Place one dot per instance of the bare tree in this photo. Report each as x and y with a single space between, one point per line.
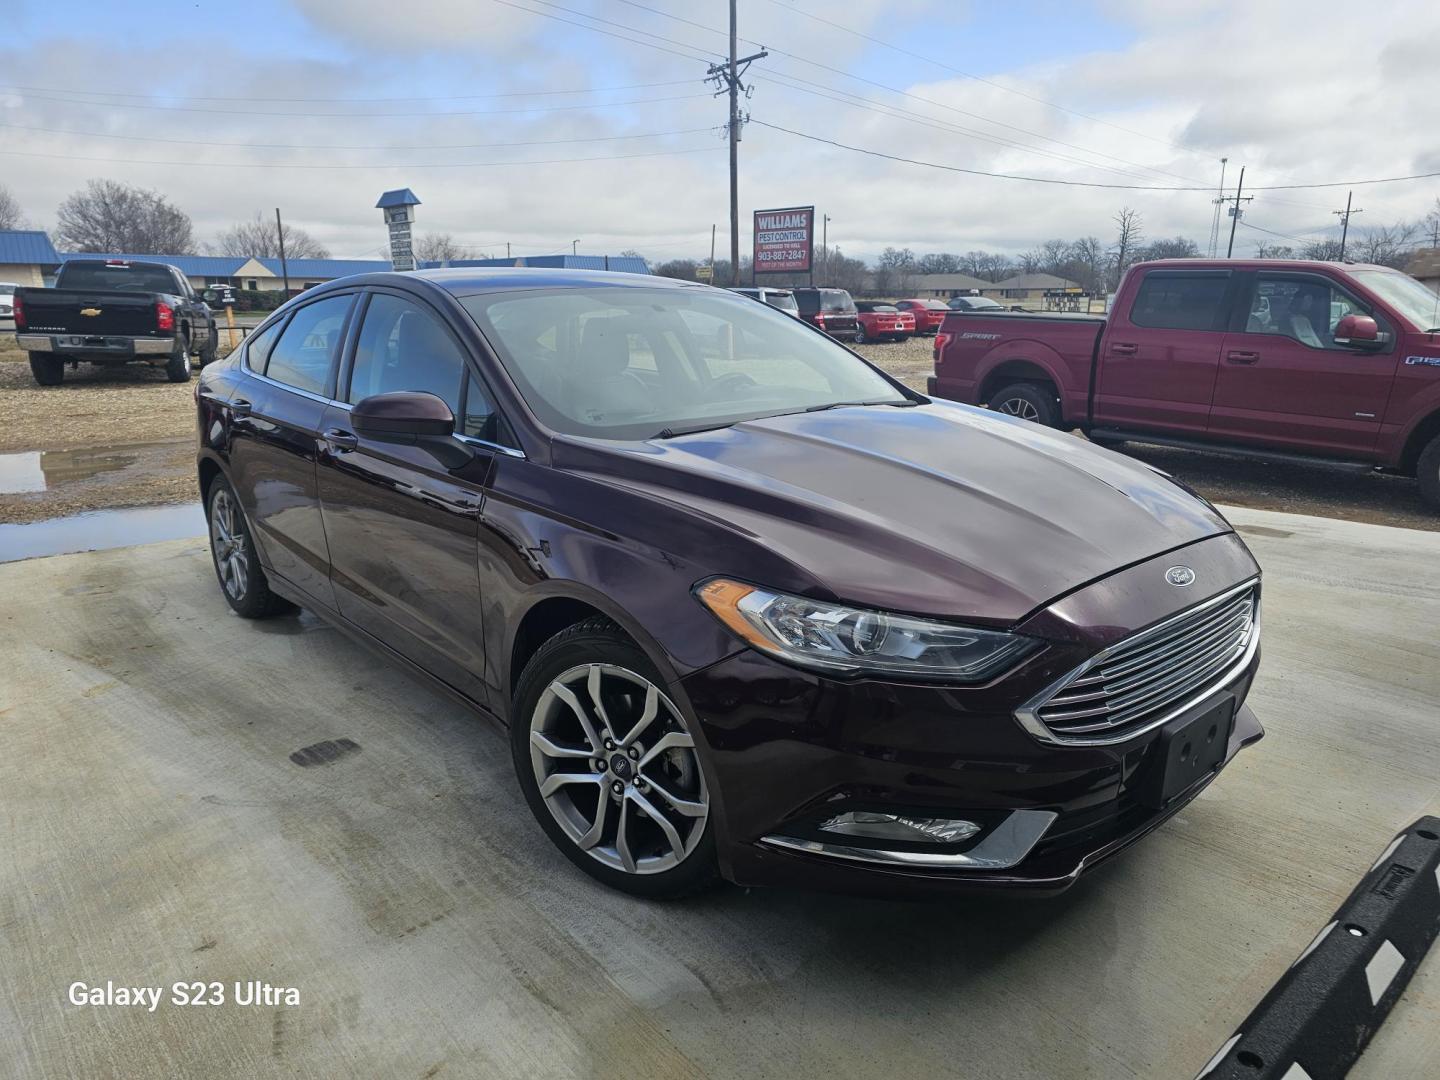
1387 246
1322 250
108 216
1274 251
258 239
440 247
10 216
939 263
1177 247
1127 239
1087 263
895 271
684 269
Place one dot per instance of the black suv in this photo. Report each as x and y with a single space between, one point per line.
831 310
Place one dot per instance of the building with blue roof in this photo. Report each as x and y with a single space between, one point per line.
26 256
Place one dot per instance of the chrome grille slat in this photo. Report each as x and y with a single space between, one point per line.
1139 682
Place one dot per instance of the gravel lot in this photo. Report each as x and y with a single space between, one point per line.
134 411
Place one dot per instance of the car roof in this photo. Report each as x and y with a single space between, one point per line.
470 281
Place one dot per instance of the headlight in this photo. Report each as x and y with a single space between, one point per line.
843 640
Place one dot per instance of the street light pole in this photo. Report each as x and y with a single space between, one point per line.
1240 187
284 266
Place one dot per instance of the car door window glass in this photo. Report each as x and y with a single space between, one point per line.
1304 310
1180 301
480 419
301 358
402 346
257 351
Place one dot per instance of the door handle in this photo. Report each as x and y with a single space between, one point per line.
240 408
341 440
1240 356
1124 349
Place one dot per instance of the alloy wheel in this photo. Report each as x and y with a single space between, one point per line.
227 543
1018 406
617 769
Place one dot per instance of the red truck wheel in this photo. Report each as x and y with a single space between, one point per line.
1027 402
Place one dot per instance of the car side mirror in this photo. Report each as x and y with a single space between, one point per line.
1359 331
412 418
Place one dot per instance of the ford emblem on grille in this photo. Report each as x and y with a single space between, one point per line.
1180 576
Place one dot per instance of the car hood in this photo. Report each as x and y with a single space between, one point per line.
938 509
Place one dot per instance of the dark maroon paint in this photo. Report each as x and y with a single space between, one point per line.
460 571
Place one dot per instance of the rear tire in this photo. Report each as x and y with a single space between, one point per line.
860 338
177 368
211 347
232 550
48 369
1428 471
1027 401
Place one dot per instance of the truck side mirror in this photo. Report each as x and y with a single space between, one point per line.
1360 332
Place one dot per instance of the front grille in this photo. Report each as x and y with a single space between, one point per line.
1139 682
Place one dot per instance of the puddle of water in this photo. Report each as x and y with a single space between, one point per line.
99 530
40 470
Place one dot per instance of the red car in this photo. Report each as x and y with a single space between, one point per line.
1248 357
882 322
929 314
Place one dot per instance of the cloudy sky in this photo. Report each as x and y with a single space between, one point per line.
537 123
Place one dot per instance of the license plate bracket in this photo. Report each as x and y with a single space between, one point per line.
1189 748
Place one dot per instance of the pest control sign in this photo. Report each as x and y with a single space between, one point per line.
784 240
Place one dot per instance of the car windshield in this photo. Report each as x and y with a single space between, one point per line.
7 290
783 301
634 363
836 300
975 303
115 277
883 307
1417 304
936 305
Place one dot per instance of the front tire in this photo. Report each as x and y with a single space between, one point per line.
1027 401
609 764
860 338
237 565
1428 471
48 369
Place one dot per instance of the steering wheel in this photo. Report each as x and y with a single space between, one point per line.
735 380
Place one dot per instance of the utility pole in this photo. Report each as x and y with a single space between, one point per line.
574 247
284 266
1344 216
507 249
726 77
712 254
825 243
1218 200
1235 211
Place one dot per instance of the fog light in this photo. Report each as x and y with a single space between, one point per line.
900 827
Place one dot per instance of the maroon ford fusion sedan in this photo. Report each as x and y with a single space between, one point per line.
750 608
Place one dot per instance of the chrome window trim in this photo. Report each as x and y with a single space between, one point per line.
1004 846
508 451
286 386
1028 714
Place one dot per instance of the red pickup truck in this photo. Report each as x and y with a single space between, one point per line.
1275 358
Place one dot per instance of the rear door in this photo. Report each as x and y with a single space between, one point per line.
1284 381
1159 360
402 527
276 412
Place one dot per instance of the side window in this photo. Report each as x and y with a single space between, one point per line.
301 358
480 419
257 349
402 346
1180 301
1303 309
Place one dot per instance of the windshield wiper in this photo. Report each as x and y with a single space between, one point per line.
905 404
691 429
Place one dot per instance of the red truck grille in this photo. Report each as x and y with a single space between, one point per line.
1146 679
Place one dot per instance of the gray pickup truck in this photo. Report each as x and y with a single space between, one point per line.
112 312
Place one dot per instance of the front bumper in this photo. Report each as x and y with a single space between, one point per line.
118 346
790 748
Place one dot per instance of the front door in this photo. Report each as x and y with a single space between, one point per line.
1158 361
277 409
1284 380
402 527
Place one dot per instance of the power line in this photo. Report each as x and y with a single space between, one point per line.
935 124
377 165
896 90
977 78
349 101
608 22
333 146
367 116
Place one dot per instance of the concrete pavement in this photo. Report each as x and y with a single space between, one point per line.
156 830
